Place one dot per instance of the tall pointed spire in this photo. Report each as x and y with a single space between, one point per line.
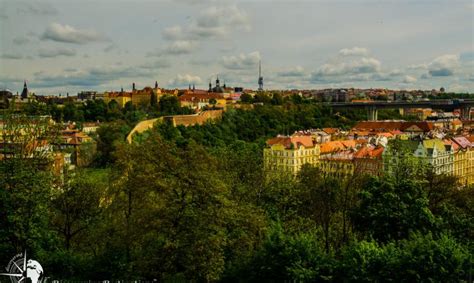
24 93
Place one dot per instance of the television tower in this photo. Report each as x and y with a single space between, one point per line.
260 78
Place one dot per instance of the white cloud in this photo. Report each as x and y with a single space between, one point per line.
178 47
297 71
242 61
36 8
409 79
213 22
186 79
21 40
173 33
444 65
351 64
91 77
354 51
69 34
11 56
50 53
157 64
355 66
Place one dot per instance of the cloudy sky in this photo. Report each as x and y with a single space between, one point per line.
71 45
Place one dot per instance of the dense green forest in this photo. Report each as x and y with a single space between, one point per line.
195 204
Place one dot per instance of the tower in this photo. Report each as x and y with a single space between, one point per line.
24 93
156 84
260 78
217 81
210 86
133 86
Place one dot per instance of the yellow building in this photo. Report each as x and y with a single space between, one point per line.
120 97
438 154
285 154
338 164
463 159
143 97
137 97
199 99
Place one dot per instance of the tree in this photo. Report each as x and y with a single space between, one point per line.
153 100
173 210
262 98
77 206
108 136
213 102
169 105
277 99
391 210
320 198
418 258
289 257
26 182
246 98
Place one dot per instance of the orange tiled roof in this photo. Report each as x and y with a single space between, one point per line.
451 143
330 131
393 125
200 96
296 141
369 152
333 146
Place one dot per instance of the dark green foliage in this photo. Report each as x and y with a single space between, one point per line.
391 211
284 257
194 204
153 100
420 258
108 136
169 105
246 98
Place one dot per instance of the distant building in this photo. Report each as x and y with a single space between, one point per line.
432 152
463 159
87 95
285 154
24 93
338 164
137 97
368 160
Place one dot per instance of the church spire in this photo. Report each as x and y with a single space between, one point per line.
24 93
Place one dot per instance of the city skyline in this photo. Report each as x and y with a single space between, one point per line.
103 45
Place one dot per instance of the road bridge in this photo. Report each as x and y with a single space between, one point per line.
464 105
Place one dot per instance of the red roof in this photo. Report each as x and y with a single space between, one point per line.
369 152
384 126
330 131
296 141
200 96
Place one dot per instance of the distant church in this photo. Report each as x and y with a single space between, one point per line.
217 88
24 93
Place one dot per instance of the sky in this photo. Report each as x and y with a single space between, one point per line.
69 46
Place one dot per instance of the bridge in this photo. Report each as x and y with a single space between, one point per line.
373 106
